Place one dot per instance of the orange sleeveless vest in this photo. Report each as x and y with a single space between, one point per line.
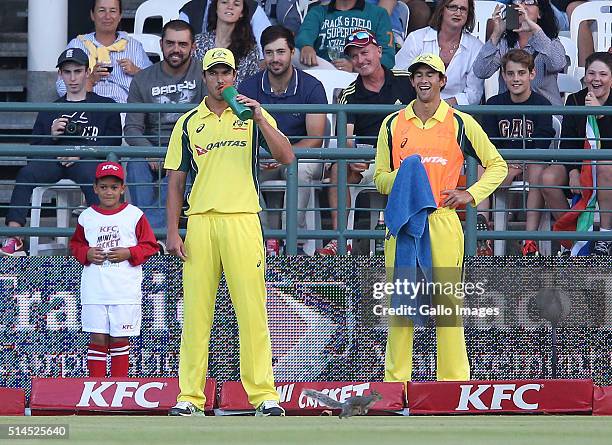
438 147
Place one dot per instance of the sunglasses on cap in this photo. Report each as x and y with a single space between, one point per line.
525 2
361 35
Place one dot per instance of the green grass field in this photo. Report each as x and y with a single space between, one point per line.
464 430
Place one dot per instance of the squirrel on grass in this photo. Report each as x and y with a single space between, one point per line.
353 406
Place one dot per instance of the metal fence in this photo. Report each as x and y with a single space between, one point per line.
342 154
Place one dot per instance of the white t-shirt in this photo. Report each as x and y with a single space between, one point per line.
111 283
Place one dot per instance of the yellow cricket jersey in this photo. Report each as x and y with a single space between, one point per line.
221 153
404 130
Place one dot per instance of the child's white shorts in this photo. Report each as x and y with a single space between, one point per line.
118 320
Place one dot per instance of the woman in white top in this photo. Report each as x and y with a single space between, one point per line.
448 36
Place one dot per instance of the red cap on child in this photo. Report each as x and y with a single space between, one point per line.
110 169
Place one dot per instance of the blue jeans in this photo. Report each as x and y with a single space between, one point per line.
148 190
43 172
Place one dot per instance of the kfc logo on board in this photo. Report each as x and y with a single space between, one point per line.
113 394
471 398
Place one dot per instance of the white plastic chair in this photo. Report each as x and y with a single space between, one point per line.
166 9
150 43
500 204
62 190
568 84
332 81
571 54
600 12
483 10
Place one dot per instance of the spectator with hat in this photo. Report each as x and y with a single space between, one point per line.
375 85
326 28
99 128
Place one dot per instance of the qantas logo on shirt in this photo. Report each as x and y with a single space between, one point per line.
203 150
434 160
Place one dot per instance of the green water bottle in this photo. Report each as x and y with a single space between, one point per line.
243 112
379 244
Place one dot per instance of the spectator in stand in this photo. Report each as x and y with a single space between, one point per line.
537 34
177 79
114 57
282 83
325 29
375 85
519 131
228 27
598 80
94 129
419 14
195 13
448 36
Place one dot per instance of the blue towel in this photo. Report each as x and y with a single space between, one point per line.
406 216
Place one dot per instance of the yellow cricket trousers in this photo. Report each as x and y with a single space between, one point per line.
232 243
447 257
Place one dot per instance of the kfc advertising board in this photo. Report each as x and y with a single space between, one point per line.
501 396
151 396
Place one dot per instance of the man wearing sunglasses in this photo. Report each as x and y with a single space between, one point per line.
375 85
325 29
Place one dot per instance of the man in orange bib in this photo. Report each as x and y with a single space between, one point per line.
442 137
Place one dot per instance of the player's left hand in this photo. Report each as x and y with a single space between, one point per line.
258 116
118 254
128 66
456 198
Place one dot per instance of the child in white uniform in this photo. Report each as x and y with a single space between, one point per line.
112 240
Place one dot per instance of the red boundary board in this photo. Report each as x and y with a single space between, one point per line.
12 402
234 398
57 396
602 401
501 396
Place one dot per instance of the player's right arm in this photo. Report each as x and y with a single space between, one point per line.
174 203
384 177
177 166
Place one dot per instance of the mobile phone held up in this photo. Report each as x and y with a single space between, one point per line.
512 18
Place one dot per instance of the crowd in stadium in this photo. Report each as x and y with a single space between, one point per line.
286 52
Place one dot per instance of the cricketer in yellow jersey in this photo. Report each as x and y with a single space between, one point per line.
223 233
442 136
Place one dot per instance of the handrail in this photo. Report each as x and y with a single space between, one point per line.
341 155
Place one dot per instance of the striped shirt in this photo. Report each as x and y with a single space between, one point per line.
117 84
549 58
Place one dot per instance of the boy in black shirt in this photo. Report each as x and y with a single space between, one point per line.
521 131
84 127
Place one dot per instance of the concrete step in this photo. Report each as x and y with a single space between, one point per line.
18 121
14 44
12 81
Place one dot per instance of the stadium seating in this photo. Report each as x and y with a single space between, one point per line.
150 43
500 204
166 9
62 190
600 12
483 10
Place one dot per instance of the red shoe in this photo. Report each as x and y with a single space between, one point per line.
330 248
12 247
530 248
